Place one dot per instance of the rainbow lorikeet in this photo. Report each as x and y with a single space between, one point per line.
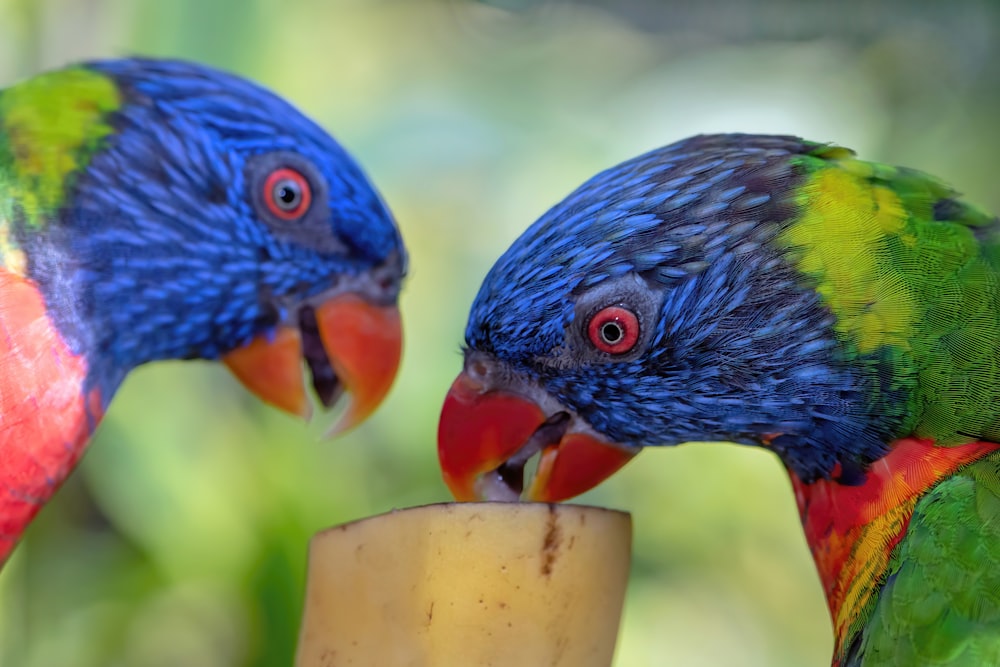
772 291
163 210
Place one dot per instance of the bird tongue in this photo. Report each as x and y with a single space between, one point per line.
507 481
485 439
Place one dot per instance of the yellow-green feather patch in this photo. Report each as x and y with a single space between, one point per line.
912 276
841 240
51 124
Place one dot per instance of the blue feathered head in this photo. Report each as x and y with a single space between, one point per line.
655 306
209 218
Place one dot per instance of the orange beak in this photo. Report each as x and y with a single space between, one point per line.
485 437
351 345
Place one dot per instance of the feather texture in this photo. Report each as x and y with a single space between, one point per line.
45 415
843 313
135 226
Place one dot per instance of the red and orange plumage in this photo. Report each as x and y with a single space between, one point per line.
852 529
46 416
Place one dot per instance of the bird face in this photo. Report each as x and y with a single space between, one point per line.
215 221
343 322
654 306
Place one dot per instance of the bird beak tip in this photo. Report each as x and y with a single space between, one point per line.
364 343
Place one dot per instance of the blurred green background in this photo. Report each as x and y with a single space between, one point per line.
182 538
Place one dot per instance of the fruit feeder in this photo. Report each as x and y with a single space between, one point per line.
468 585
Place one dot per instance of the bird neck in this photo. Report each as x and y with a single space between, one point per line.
149 262
122 301
853 530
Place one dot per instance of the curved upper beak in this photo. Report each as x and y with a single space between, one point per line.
349 344
486 437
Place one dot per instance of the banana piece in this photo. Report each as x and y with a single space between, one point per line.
468 585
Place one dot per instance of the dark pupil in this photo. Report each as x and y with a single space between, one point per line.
612 332
287 194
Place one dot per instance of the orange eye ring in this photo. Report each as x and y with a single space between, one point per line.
614 330
287 194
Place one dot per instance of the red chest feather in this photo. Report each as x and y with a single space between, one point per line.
852 530
45 420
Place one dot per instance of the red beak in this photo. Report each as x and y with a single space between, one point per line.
356 347
482 431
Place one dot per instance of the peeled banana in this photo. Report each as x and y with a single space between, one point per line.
468 585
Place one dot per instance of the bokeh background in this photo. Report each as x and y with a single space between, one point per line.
182 538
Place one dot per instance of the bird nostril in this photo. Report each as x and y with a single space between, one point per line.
478 370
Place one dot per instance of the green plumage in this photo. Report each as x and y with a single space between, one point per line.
845 314
913 276
941 601
49 127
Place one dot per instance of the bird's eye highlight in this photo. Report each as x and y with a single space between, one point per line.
614 330
287 193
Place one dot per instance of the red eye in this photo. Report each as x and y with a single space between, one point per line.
614 330
287 194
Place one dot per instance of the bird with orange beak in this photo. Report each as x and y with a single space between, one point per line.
153 210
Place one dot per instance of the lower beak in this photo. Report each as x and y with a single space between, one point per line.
349 344
485 438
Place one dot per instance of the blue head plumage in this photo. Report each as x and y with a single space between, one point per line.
164 210
735 344
166 248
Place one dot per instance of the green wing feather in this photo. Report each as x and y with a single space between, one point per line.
940 604
912 274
